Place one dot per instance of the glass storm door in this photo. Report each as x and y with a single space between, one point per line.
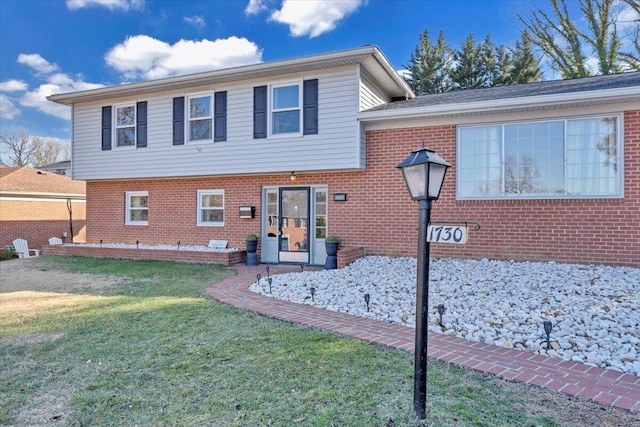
293 236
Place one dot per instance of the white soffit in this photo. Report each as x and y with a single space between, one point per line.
627 95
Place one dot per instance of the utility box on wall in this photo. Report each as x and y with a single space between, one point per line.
247 212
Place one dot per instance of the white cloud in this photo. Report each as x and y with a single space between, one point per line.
255 6
313 17
109 4
8 110
54 82
13 86
196 21
37 63
58 83
148 58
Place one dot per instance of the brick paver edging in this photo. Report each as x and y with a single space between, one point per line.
606 387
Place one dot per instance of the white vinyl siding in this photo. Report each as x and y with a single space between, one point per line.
336 146
370 95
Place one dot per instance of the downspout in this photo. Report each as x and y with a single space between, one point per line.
69 208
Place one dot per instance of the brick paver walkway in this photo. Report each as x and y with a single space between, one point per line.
576 379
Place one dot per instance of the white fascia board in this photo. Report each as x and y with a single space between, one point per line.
619 95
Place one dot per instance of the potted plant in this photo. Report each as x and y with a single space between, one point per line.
252 246
331 245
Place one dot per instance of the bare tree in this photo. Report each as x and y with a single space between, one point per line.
570 49
21 149
17 144
45 151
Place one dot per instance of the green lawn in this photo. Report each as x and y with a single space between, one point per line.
155 350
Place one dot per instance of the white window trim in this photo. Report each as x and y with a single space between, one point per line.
187 115
620 141
128 196
270 108
114 118
202 223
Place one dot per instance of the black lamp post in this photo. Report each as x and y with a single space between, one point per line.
423 172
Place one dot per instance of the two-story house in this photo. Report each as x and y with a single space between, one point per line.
298 149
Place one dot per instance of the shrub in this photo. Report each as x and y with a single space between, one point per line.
331 239
7 254
251 237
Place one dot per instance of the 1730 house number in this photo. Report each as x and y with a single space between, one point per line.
447 234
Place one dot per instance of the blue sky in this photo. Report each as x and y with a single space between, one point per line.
55 46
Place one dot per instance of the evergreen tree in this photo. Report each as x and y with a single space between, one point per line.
504 66
525 65
430 65
475 64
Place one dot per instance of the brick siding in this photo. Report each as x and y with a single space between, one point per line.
379 215
38 220
201 257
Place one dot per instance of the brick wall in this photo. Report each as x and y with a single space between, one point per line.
381 217
38 220
201 257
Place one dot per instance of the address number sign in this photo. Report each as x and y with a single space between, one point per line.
447 234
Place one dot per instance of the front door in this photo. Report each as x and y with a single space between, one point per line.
293 235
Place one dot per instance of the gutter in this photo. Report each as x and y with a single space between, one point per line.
611 96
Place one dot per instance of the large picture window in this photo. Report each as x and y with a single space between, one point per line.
200 114
211 207
137 203
285 109
560 158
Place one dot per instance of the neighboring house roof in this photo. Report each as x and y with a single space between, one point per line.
615 88
65 164
28 182
369 57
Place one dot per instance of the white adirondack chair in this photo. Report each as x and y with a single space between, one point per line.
55 241
22 248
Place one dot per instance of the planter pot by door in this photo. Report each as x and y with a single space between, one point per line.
331 262
252 247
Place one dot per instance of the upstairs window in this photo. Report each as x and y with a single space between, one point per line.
124 125
285 109
200 118
200 114
560 158
137 205
211 207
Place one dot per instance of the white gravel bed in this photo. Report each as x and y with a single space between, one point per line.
153 247
595 310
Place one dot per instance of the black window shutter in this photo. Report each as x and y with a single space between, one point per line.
260 112
220 116
310 107
141 124
106 128
178 121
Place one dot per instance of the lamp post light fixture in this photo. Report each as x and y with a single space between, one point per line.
423 171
